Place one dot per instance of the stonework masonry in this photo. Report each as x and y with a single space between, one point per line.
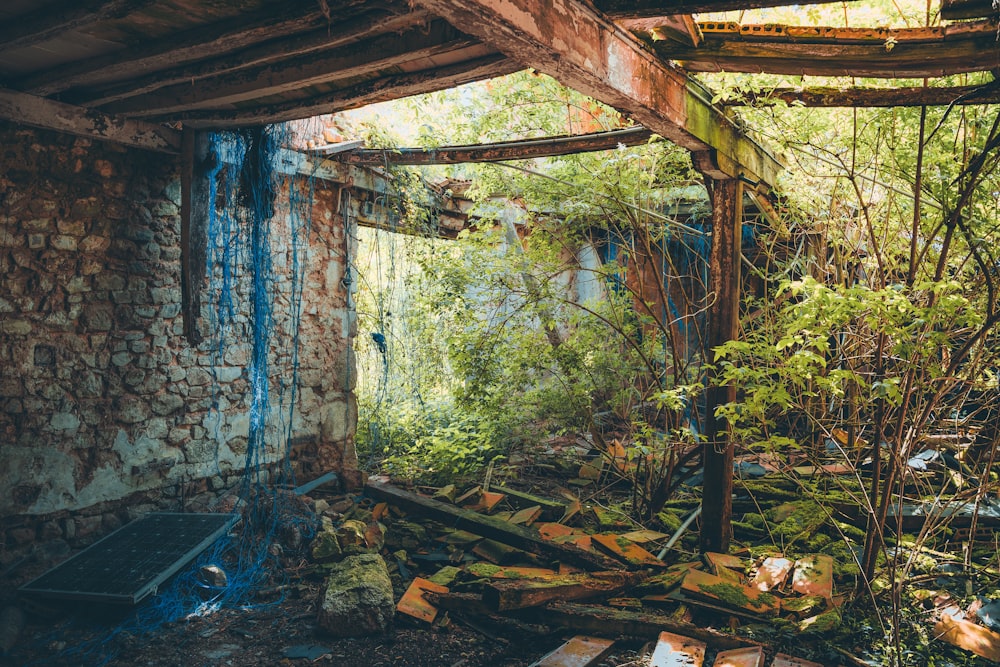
106 410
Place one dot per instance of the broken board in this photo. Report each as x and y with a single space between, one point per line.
130 564
740 657
579 651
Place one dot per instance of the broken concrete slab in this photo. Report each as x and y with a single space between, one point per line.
674 650
358 598
968 636
740 657
772 573
814 576
580 651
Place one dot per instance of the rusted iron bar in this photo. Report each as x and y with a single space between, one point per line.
822 96
859 52
502 150
628 9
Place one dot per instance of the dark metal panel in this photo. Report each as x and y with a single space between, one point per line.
130 564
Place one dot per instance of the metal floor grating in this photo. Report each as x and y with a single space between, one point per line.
130 563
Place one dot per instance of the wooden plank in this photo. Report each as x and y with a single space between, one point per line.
510 572
488 526
507 594
814 576
627 551
645 536
717 561
740 657
825 96
730 594
580 651
578 46
772 573
355 60
378 90
968 636
414 603
55 19
52 115
630 9
673 650
504 150
136 60
723 326
552 510
608 622
196 165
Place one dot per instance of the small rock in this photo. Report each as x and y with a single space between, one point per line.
358 599
214 576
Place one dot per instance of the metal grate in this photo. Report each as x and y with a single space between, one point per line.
130 563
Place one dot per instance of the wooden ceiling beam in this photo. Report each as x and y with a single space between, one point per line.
380 54
640 9
55 19
343 33
503 150
51 115
578 46
377 90
822 96
247 35
967 9
858 52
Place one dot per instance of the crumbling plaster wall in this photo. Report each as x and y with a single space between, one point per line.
106 410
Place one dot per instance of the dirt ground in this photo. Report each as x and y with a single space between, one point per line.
277 634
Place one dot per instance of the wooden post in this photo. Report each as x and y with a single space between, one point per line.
723 326
195 167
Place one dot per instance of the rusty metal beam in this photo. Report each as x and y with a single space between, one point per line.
724 317
385 53
51 115
629 9
369 92
824 96
575 44
503 150
967 9
827 51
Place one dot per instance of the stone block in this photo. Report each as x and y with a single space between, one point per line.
64 421
132 410
64 242
358 599
166 403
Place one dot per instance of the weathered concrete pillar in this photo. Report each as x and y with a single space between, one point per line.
723 326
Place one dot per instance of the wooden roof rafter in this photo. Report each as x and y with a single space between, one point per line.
642 9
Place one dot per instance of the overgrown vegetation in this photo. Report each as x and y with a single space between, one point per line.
868 334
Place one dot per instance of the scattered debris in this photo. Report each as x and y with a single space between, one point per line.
677 651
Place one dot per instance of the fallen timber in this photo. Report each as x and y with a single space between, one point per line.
491 527
507 594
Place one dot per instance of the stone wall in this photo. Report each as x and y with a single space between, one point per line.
106 411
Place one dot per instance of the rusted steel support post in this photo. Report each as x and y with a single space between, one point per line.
723 318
